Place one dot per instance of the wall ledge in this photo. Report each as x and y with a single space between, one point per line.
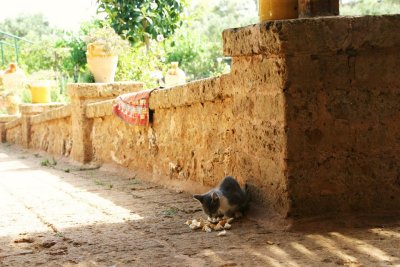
199 91
100 109
313 36
7 118
54 114
13 124
33 109
102 90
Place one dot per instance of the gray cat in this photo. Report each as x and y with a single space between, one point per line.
228 199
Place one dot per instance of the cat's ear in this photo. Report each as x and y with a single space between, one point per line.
214 196
199 197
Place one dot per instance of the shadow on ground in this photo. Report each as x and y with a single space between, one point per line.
61 215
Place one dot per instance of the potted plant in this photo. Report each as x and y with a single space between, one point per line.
103 47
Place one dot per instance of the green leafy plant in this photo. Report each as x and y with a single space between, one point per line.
73 65
139 64
142 20
48 163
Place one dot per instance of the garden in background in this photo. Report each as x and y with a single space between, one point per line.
158 33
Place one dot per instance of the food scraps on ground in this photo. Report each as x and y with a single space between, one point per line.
222 233
209 225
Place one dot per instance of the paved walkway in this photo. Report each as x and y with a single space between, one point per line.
55 214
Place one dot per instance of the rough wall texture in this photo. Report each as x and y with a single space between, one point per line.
343 117
341 92
51 131
13 132
3 120
82 95
204 131
308 117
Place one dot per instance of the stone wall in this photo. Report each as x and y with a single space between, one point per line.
204 131
307 118
3 120
341 92
343 116
13 132
51 131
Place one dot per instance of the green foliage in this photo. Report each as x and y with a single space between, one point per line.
371 7
48 163
197 46
73 65
141 20
23 25
194 41
41 55
197 57
108 39
139 64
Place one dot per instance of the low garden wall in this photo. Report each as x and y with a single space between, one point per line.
308 118
51 131
202 132
13 131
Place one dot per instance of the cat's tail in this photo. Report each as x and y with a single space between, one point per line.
247 200
247 190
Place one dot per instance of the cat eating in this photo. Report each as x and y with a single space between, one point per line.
228 200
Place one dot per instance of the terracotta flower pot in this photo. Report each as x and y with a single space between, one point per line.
277 9
103 66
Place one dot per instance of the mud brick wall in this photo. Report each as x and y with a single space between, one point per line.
342 93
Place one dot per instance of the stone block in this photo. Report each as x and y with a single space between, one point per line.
313 36
33 109
102 91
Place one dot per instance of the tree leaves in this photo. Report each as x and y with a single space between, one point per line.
140 20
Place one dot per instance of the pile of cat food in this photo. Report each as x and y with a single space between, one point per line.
211 224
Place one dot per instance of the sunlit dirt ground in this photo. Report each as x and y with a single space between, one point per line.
65 215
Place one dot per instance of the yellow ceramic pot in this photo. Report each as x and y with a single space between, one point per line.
277 9
40 91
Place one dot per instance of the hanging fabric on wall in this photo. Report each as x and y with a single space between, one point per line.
133 108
